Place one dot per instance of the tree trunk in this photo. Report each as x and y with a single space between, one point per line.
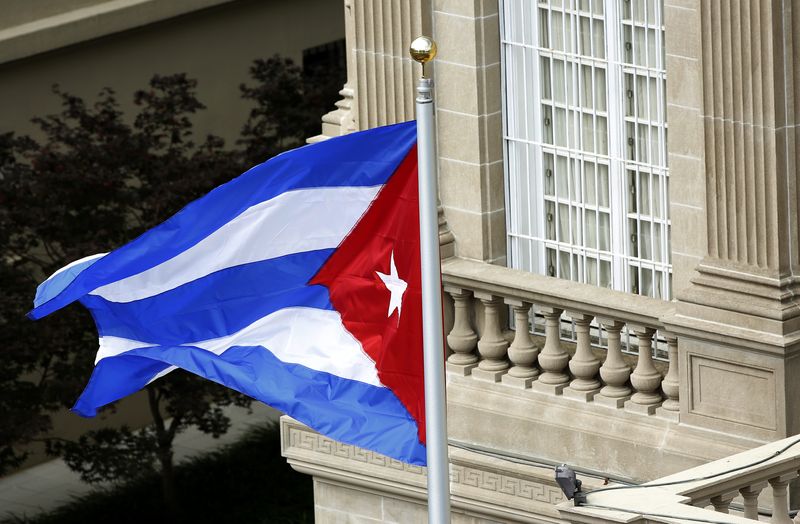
168 482
165 436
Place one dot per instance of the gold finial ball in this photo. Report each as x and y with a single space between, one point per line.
423 49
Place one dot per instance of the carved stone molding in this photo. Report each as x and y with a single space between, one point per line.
480 485
505 484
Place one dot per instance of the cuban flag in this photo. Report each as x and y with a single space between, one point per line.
297 283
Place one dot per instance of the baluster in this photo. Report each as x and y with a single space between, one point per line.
492 345
462 339
670 385
780 499
583 365
553 359
722 502
522 352
750 495
645 378
615 371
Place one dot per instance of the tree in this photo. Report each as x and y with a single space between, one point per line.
93 183
289 102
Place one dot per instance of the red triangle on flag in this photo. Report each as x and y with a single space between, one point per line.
356 276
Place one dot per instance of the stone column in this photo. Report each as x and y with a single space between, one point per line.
671 384
583 365
469 122
380 74
733 95
722 502
615 371
492 345
384 84
780 499
522 351
462 339
751 109
553 359
645 378
750 498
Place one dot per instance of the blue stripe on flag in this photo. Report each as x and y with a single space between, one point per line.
352 412
361 159
216 305
59 281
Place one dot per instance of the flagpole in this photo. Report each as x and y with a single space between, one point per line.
423 50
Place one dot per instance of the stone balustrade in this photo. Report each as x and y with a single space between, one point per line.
484 296
745 487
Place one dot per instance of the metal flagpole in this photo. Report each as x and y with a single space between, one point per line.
423 49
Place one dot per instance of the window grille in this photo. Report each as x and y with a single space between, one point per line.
585 141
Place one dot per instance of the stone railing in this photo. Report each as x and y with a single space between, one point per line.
737 489
482 295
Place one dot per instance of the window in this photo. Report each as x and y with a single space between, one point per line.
585 141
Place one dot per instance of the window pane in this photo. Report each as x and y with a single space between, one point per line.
564 270
605 273
562 177
604 232
602 185
549 183
590 183
582 173
600 88
633 238
591 228
563 223
546 79
550 255
591 271
550 217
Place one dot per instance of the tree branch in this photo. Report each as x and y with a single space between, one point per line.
173 427
154 411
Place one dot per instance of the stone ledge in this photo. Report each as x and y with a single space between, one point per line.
480 485
623 445
549 291
86 23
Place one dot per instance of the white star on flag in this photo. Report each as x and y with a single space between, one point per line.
396 286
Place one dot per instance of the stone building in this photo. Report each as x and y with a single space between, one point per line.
86 45
620 180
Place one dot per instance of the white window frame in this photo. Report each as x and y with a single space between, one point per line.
620 255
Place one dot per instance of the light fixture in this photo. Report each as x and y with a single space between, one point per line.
569 484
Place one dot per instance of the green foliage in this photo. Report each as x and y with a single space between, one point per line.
117 454
94 181
289 103
247 482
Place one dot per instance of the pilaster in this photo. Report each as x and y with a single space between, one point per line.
380 87
736 313
468 98
380 74
750 90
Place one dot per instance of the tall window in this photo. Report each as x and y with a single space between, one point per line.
585 141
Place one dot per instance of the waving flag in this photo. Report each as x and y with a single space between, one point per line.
297 283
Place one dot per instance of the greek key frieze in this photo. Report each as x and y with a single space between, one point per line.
316 443
505 484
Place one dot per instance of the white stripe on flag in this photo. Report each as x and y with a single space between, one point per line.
292 222
314 338
75 263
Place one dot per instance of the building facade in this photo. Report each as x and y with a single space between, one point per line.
620 178
86 45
